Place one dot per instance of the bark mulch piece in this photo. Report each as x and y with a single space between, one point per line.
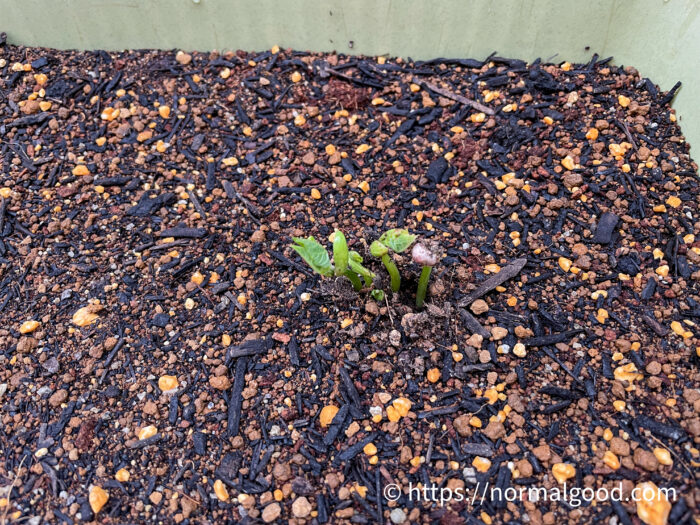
165 356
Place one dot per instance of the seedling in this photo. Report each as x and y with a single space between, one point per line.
397 240
427 259
347 263
377 295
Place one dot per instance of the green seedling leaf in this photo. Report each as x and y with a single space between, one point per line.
314 254
377 249
397 239
354 256
377 295
340 253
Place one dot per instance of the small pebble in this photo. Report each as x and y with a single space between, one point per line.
397 516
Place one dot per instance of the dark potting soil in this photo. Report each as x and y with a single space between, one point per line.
166 356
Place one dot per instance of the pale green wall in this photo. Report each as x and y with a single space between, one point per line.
659 37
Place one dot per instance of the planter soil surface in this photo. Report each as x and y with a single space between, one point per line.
166 357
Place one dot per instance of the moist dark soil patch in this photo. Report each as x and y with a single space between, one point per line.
164 349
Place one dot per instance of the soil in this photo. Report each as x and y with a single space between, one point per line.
167 357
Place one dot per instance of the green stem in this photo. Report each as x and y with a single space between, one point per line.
393 272
423 285
354 279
